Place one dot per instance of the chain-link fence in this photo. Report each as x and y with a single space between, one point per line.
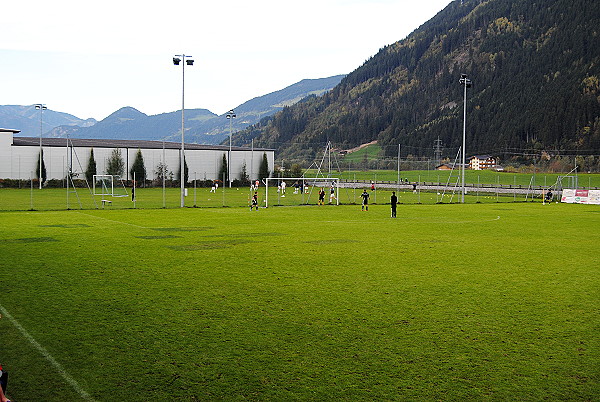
425 187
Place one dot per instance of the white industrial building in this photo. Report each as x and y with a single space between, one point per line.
19 157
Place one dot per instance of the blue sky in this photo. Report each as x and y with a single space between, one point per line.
92 58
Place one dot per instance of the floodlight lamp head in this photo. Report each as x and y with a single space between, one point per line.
189 62
463 76
176 60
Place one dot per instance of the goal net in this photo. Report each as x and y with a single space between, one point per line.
109 185
301 190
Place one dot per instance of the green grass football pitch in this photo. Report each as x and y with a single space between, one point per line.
446 302
56 199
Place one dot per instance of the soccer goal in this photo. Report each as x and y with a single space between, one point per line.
299 190
109 185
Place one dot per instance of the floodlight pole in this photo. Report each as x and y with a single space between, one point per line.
467 84
230 116
41 107
176 60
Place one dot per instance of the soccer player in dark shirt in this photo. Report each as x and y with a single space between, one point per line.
365 201
321 197
254 201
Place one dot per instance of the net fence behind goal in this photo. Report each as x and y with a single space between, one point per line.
301 190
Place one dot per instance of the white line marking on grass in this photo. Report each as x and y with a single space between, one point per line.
70 380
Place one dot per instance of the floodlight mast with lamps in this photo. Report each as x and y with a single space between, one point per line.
190 62
230 116
41 107
467 84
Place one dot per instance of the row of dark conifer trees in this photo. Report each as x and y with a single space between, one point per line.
116 167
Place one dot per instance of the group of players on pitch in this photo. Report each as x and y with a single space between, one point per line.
364 205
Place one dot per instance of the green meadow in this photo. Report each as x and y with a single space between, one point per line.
495 301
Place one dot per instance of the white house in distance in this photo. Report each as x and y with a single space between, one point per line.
19 157
482 162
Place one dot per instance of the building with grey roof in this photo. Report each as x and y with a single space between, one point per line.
19 157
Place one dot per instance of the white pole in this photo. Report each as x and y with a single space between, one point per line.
230 116
41 150
68 171
41 107
229 156
31 192
464 142
181 164
266 193
398 189
164 168
329 159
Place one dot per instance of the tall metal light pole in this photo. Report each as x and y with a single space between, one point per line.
41 107
464 81
176 60
230 116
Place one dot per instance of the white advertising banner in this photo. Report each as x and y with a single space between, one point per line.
573 196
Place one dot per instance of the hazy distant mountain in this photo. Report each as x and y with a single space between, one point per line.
216 130
201 125
27 119
130 124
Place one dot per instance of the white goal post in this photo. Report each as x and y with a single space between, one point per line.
326 183
104 185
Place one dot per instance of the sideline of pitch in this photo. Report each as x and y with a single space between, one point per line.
61 370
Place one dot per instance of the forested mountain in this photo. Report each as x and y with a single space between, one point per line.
215 130
535 70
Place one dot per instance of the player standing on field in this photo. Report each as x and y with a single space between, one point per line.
365 201
254 201
331 193
321 197
393 202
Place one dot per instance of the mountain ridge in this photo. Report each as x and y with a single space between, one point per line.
202 125
535 71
